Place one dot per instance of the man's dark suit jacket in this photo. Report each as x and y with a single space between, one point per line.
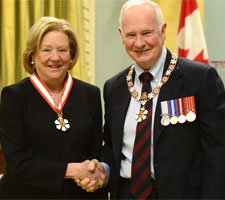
36 152
189 158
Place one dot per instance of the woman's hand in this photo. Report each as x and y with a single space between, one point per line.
96 180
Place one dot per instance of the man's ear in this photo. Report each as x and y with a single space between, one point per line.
120 30
164 30
121 33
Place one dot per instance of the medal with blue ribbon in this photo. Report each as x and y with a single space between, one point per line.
173 111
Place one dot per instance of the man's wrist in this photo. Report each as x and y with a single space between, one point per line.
107 170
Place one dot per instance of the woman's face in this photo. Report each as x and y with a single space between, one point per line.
53 58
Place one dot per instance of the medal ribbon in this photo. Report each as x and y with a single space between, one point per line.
164 108
179 108
46 94
174 108
192 104
187 108
170 109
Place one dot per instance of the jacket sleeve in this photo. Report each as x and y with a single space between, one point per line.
107 148
22 163
96 111
211 113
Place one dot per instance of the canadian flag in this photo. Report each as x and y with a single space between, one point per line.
190 39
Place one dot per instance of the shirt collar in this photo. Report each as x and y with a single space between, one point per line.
157 68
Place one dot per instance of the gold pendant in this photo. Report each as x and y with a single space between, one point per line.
174 120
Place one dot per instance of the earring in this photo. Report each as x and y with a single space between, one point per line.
32 62
71 61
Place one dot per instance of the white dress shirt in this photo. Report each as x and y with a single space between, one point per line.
130 122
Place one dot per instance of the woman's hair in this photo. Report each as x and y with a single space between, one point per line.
43 26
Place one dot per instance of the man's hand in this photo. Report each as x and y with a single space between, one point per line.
97 178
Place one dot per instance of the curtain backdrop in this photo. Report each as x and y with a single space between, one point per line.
16 18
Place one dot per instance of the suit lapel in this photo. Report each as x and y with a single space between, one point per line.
121 99
120 103
168 91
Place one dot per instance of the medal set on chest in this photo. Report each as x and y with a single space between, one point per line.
144 98
178 111
60 123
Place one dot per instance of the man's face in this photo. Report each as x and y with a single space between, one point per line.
142 37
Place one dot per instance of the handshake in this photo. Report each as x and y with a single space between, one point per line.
90 174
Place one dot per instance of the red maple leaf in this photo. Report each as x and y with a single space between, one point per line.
200 58
183 52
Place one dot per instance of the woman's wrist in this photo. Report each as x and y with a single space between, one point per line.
71 171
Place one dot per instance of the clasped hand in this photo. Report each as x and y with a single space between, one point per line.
92 176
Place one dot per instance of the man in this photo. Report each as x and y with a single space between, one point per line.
185 119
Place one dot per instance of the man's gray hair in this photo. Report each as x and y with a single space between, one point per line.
131 3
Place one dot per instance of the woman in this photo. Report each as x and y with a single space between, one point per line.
52 123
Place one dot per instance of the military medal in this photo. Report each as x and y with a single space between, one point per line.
145 97
165 121
191 116
181 117
178 110
191 112
60 123
173 112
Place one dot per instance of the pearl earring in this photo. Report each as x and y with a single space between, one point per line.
32 62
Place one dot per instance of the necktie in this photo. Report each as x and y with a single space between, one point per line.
141 172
